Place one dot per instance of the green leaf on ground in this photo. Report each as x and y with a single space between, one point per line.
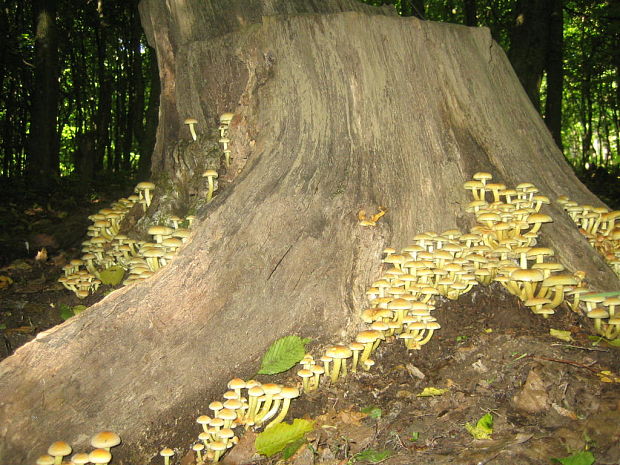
483 428
605 294
371 456
67 312
283 354
372 412
596 340
414 436
432 392
277 438
292 448
580 458
112 276
560 334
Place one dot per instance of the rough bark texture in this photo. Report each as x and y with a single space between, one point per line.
328 126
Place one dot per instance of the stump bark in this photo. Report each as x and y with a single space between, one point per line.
335 112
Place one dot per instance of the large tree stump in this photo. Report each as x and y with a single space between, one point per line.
334 113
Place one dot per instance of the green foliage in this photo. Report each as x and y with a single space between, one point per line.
432 392
580 458
414 436
372 412
277 438
483 428
283 355
292 448
371 456
112 276
67 311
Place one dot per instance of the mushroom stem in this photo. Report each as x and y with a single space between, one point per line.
210 193
285 405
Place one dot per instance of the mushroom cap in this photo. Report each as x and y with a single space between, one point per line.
100 456
367 336
59 448
210 173
166 452
560 280
339 352
203 419
226 117
105 439
539 218
527 275
227 414
145 185
45 460
271 388
80 458
536 301
598 313
356 346
160 230
190 121
482 175
216 405
399 304
289 392
233 404
217 446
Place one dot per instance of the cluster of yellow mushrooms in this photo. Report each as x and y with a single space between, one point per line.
102 443
106 248
211 174
598 225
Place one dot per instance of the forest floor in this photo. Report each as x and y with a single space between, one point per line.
548 398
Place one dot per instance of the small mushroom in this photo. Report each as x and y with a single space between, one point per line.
101 456
287 394
105 440
191 122
210 175
144 190
166 453
58 450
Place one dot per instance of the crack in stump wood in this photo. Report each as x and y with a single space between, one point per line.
279 261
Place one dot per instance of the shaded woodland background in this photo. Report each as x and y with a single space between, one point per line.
79 85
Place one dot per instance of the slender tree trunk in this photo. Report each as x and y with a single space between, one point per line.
43 145
417 8
555 73
471 14
146 138
323 128
529 44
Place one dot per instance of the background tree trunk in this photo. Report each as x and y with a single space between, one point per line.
324 126
555 73
529 43
43 144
